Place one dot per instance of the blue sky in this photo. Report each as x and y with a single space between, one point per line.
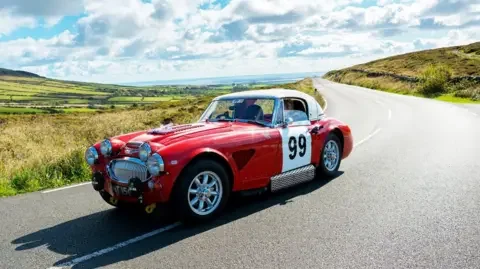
145 40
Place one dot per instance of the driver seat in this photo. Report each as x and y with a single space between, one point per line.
254 112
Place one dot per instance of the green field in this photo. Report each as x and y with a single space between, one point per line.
450 74
19 110
148 99
79 110
32 91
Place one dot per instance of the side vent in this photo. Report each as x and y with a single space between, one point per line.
242 157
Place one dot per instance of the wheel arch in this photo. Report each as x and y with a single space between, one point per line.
208 154
340 136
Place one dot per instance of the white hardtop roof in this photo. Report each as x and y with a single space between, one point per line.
268 93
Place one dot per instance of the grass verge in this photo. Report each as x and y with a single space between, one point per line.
449 74
429 85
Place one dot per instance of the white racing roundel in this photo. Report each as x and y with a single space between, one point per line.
296 147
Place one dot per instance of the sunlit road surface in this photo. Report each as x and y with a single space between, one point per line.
408 197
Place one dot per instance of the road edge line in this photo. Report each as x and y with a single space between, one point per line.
67 187
367 138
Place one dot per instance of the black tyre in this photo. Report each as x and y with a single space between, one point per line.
331 156
201 192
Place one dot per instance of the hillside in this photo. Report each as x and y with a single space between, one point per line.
27 93
17 73
450 73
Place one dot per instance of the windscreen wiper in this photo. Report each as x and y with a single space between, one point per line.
256 122
227 120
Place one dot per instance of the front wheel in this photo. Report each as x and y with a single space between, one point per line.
202 191
331 156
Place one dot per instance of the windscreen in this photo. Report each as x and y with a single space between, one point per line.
243 109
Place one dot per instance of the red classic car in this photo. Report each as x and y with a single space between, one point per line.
264 140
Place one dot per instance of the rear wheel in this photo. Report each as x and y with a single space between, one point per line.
331 156
202 191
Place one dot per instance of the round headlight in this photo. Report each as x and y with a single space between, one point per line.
91 155
155 164
106 147
144 152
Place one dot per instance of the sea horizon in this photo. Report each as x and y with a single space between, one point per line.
244 79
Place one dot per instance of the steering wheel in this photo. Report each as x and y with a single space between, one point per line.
225 115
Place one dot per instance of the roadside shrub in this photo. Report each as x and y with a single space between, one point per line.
434 79
461 85
473 94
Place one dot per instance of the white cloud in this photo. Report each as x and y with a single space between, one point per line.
8 22
452 38
44 7
131 40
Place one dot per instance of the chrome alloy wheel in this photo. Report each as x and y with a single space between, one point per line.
330 155
205 193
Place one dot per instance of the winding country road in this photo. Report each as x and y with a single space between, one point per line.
409 196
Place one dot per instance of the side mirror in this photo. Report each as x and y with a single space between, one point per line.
316 129
288 121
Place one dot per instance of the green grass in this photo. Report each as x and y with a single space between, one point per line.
46 151
78 110
140 99
23 89
29 91
439 73
453 99
23 98
77 101
19 110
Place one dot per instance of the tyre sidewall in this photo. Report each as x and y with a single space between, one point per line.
322 170
180 201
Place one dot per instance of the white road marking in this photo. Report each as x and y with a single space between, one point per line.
389 114
115 247
474 114
367 138
67 187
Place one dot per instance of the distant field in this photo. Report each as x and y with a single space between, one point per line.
19 110
46 150
148 99
450 74
79 110
32 92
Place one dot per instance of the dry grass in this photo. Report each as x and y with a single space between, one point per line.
463 60
45 151
429 73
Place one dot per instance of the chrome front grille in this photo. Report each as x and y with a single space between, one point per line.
124 169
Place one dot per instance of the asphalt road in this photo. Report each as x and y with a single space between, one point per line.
407 197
